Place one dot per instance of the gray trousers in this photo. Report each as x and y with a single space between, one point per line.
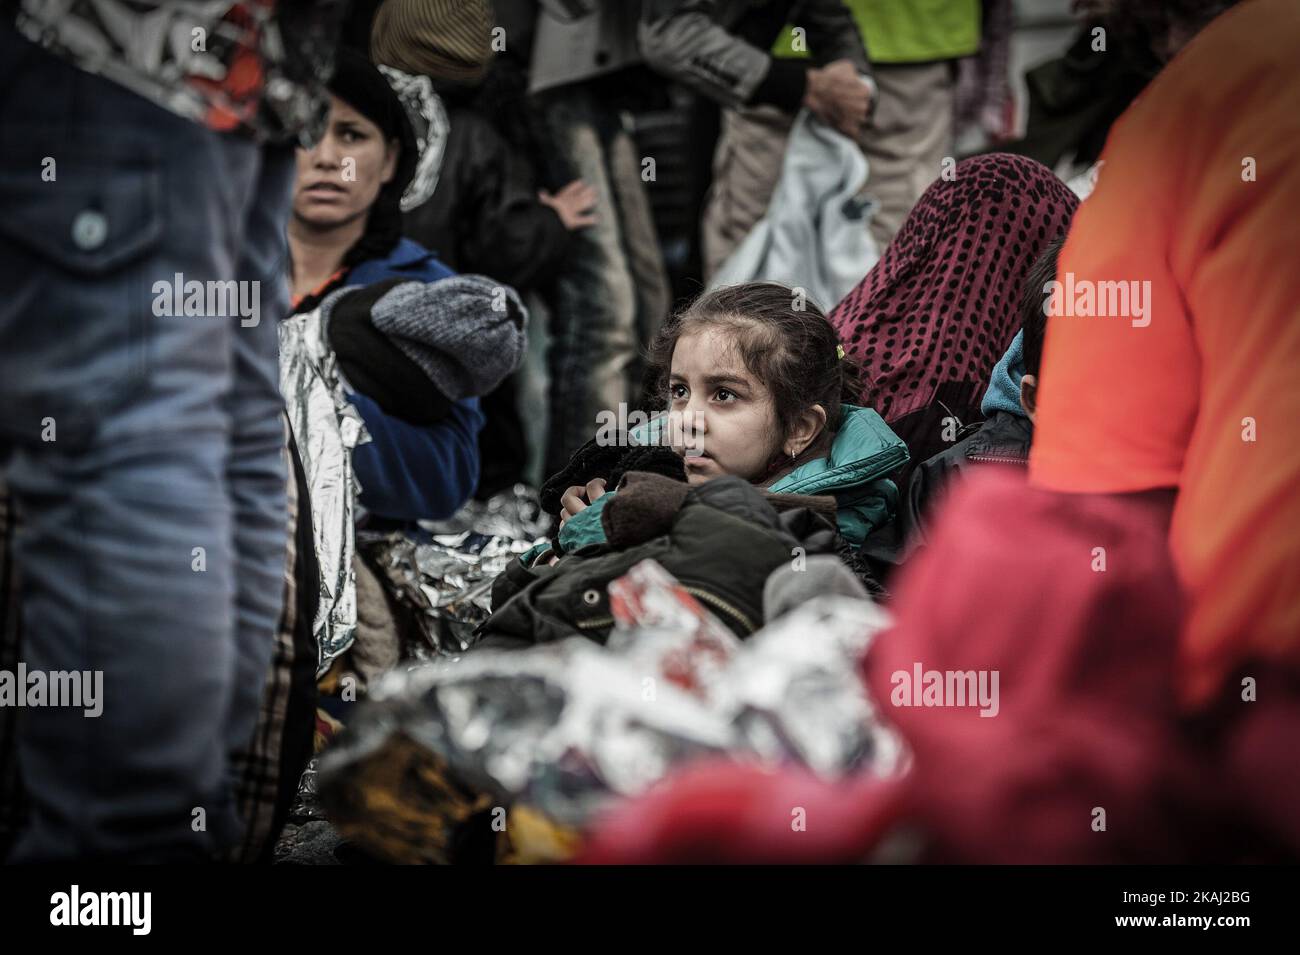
613 293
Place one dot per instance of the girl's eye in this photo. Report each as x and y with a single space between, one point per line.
677 392
351 136
724 395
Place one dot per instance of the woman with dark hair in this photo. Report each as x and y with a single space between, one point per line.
346 230
934 315
409 353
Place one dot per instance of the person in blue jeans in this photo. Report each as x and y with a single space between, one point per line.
141 444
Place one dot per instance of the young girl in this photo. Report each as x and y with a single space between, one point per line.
753 382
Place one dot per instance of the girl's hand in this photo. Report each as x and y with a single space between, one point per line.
578 498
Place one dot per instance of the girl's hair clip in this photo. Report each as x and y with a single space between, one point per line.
839 352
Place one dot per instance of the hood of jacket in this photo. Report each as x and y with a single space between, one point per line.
862 453
863 450
1004 383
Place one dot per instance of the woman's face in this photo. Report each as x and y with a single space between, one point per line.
340 177
722 420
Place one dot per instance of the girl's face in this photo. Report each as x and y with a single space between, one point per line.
340 177
722 419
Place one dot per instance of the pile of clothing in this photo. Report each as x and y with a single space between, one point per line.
510 754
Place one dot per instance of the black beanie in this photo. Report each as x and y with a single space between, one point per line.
359 83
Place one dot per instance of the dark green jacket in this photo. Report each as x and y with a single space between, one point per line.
721 540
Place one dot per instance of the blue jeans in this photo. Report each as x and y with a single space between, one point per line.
142 452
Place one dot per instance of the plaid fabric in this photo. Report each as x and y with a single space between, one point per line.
983 80
266 772
13 803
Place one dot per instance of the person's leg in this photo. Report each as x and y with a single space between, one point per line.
746 168
641 247
910 133
256 475
266 771
594 304
116 439
533 401
503 442
13 800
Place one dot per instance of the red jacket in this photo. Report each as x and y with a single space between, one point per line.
1086 731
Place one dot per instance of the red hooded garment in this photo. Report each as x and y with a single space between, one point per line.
1072 599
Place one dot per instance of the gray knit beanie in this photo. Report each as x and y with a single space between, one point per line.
466 332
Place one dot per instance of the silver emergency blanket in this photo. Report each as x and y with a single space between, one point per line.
515 512
447 580
567 727
326 428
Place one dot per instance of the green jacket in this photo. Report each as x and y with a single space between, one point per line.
908 31
863 452
720 540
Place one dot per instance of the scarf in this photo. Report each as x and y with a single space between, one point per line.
939 309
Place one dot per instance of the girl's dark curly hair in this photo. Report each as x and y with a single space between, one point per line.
784 340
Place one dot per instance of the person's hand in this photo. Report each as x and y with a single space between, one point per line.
837 95
998 119
573 204
579 498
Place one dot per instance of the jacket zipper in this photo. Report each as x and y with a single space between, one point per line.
719 604
716 602
999 458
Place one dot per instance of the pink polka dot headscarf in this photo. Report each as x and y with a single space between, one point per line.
933 317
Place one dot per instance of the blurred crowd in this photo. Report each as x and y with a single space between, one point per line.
391 382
